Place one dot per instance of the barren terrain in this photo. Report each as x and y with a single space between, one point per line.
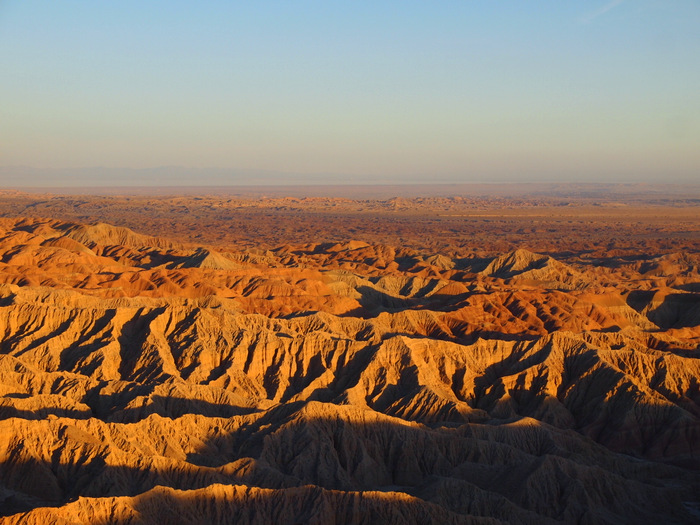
316 359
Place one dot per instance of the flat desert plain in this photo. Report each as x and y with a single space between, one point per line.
363 355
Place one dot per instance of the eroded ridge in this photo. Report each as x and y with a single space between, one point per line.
143 379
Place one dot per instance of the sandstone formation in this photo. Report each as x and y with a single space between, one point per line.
144 380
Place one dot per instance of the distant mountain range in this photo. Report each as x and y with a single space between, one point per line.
25 176
102 180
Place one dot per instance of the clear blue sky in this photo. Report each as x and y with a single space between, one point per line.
385 91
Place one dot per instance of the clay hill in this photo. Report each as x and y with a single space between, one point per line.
146 380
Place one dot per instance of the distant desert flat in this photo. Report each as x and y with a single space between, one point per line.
456 358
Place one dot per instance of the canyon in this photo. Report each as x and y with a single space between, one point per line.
325 359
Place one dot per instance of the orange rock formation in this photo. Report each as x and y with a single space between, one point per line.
144 380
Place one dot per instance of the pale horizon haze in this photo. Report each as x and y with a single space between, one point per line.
361 92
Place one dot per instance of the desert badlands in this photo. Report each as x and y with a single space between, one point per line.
288 359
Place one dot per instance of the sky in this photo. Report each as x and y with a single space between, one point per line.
348 92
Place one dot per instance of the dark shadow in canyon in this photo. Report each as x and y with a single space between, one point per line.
518 473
